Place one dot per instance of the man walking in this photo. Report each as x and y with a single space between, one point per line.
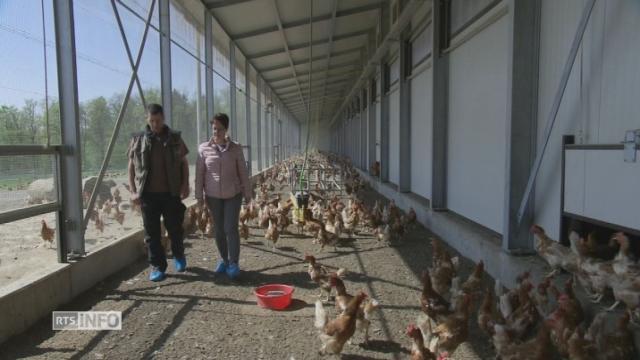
159 180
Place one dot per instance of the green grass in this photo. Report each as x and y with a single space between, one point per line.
15 184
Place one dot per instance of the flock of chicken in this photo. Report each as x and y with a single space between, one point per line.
599 268
532 321
113 208
527 322
329 222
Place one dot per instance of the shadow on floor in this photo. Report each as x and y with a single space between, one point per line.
414 252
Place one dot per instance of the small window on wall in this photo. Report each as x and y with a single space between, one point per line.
421 46
407 59
462 13
394 71
386 73
373 91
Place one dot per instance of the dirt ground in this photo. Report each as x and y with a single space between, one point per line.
24 254
196 315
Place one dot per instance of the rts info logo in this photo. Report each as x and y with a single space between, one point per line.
86 320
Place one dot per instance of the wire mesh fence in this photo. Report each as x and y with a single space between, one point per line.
26 180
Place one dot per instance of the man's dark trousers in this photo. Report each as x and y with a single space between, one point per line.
172 211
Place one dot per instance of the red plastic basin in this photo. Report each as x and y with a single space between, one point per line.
274 296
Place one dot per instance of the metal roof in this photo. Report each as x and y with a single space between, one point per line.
274 35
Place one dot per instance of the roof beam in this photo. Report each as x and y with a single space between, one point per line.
341 78
296 23
333 89
305 45
315 102
286 45
334 78
328 64
300 111
337 66
316 105
314 90
331 96
340 82
316 81
306 61
216 4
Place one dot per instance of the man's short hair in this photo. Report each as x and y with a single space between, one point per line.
155 109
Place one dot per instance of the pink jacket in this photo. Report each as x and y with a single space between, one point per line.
221 175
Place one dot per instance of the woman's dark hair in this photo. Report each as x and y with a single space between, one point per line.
155 109
223 118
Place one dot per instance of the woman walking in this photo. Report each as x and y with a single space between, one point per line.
222 179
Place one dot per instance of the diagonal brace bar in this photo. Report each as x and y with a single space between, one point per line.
116 129
582 26
128 49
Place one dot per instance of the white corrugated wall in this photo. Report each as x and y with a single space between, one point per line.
394 136
421 133
477 126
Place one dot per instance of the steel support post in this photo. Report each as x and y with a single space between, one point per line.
61 243
363 129
165 60
70 180
259 121
440 108
208 58
199 103
280 142
372 125
384 124
404 185
267 120
274 119
524 23
232 90
247 86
